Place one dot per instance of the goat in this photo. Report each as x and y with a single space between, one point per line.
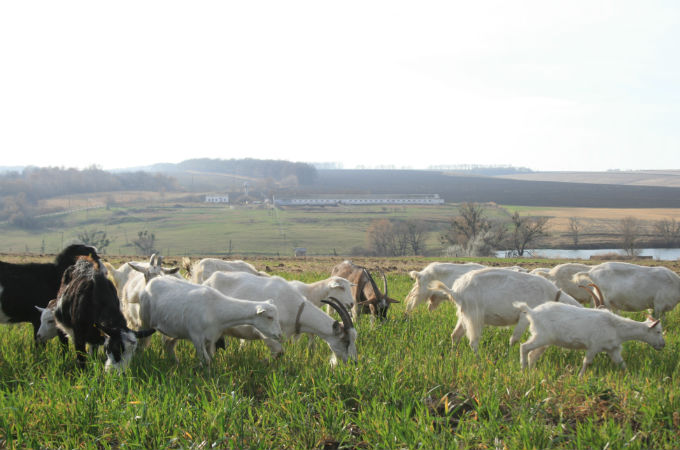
629 287
88 311
23 287
562 275
140 274
592 330
296 314
200 271
367 296
447 273
485 296
336 287
183 310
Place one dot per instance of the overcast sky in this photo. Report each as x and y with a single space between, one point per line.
578 85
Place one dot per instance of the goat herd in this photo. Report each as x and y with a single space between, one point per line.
89 301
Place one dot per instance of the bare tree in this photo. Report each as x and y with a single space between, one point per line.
669 230
394 238
145 242
526 231
416 234
575 229
467 225
630 233
95 238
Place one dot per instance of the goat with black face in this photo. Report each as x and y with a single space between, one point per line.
88 310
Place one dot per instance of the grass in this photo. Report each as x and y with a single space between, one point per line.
409 389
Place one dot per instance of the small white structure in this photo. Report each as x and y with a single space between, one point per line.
217 198
335 200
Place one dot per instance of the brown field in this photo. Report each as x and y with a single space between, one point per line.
663 178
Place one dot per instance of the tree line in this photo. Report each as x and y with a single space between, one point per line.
472 234
20 191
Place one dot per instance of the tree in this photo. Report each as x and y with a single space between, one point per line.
467 225
526 231
416 234
472 234
575 229
145 242
630 233
95 238
388 238
669 230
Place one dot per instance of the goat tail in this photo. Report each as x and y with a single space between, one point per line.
186 265
523 307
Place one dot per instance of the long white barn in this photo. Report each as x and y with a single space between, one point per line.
426 199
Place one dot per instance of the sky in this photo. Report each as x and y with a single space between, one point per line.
579 85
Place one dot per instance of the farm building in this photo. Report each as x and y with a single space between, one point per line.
335 200
217 198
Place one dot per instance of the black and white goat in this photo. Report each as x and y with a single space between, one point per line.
88 311
25 286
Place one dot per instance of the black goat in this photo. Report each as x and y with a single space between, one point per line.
25 286
88 310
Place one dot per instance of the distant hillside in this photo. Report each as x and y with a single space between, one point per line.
455 188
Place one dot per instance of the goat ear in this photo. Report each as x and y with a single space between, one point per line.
653 324
391 300
260 309
137 268
171 271
39 308
414 275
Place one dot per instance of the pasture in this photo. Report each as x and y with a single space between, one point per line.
259 231
409 389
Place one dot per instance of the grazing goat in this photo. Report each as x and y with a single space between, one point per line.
200 271
88 311
23 287
629 287
296 314
140 275
183 310
562 275
592 330
485 296
335 287
367 296
447 273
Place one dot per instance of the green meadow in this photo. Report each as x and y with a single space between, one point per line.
409 389
196 228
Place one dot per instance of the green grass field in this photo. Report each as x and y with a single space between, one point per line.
409 389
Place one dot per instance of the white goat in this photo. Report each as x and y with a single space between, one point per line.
183 310
562 275
629 287
296 314
592 330
485 296
447 273
201 270
139 275
336 287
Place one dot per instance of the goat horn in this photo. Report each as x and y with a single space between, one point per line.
384 282
599 293
344 315
596 302
376 291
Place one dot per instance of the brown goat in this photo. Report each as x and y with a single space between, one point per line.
367 296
